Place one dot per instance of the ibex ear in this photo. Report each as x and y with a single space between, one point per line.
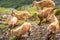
13 13
54 8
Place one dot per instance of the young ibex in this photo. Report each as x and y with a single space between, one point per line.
45 14
12 21
21 16
43 3
52 29
18 32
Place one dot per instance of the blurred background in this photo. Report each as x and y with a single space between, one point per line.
19 4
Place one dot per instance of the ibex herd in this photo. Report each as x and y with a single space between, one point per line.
48 13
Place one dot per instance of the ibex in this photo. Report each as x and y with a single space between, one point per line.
21 16
52 29
45 14
18 32
43 3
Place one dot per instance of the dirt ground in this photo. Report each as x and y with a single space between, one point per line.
37 33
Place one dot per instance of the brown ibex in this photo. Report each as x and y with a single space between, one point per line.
22 16
12 21
45 14
18 32
53 28
43 3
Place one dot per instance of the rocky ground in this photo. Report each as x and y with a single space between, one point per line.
37 33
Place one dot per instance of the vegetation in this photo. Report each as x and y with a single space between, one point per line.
12 38
14 3
18 3
6 6
58 11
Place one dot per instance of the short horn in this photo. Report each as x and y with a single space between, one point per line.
54 8
13 13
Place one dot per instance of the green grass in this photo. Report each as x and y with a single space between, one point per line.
12 38
6 10
33 11
20 22
2 26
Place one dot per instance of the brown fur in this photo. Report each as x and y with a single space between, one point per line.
21 16
53 28
43 3
55 23
12 21
26 27
51 15
47 13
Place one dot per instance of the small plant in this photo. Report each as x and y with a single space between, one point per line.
12 38
20 22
